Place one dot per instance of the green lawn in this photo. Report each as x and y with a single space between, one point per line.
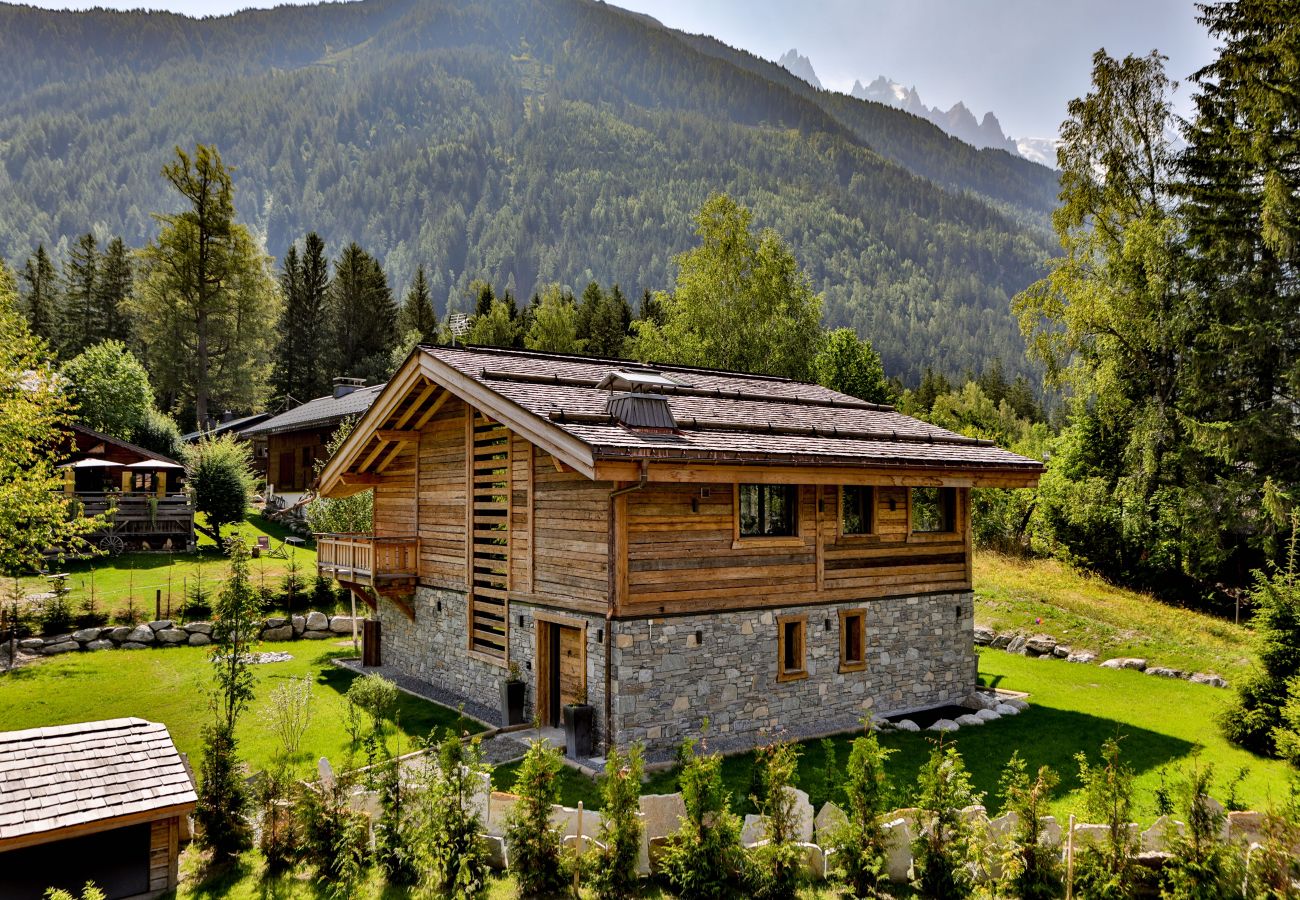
170 686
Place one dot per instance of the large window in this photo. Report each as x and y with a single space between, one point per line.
768 510
934 509
856 505
853 640
791 648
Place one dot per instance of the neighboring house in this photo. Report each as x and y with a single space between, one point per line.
96 801
669 544
289 444
229 425
143 490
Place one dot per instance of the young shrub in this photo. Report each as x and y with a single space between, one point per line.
322 594
860 842
289 714
1273 867
943 844
449 850
1105 871
88 892
774 869
220 477
1031 870
278 836
533 844
704 857
394 829
333 835
1202 867
829 775
613 868
371 700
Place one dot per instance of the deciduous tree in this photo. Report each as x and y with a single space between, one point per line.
850 365
554 326
110 388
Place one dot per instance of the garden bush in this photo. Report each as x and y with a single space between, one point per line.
704 857
1202 867
1105 871
333 835
940 850
1031 870
394 829
613 869
860 842
774 868
450 853
533 844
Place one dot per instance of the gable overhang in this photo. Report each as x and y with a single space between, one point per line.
713 469
413 395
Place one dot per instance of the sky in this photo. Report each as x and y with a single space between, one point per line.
1022 59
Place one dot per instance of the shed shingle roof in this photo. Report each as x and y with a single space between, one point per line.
723 415
319 412
66 775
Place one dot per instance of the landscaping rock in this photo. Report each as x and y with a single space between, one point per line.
754 830
299 624
342 625
1006 709
1017 644
984 635
969 719
1211 680
173 636
1164 672
1125 662
53 649
275 621
199 639
100 644
975 813
1018 704
1081 656
1003 826
1060 651
317 635
134 645
1040 645
988 715
31 643
1246 827
500 806
1050 836
1158 836
828 820
661 814
1001 641
280 633
814 861
654 852
944 725
317 621
198 627
161 624
906 725
981 700
803 815
898 851
496 851
120 634
142 635
86 635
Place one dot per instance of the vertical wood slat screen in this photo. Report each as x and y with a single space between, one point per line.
489 472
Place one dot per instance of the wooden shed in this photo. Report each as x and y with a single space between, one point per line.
95 801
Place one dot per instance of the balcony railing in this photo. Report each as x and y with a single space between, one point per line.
140 513
367 558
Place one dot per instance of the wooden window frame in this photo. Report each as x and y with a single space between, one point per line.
782 673
954 526
872 533
739 540
846 664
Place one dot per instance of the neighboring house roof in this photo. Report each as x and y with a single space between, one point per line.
82 434
720 417
78 775
319 412
236 426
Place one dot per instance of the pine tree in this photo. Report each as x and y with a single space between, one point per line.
113 291
80 321
603 320
417 314
363 315
301 369
41 295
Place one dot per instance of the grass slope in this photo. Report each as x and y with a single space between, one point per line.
171 686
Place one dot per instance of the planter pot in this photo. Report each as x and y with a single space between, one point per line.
579 730
512 703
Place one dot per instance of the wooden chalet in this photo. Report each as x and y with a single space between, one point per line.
95 801
142 490
665 543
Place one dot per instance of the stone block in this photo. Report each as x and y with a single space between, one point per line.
275 622
299 624
1158 836
53 649
100 644
142 635
86 635
161 624
898 850
1001 641
814 861
173 636
655 851
317 621
1040 645
1003 826
32 643
1050 835
829 820
134 645
342 625
198 627
500 805
199 639
1125 662
279 633
317 635
803 815
984 635
1245 827
498 858
1017 644
661 814
754 829
944 725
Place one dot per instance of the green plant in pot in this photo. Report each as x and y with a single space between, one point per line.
579 728
512 696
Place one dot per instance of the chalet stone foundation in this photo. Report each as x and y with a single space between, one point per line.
670 674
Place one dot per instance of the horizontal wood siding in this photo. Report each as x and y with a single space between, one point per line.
520 510
685 559
442 498
571 561
395 496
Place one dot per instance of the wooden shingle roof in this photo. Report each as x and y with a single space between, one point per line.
70 776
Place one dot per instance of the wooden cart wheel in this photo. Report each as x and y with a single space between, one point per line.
112 544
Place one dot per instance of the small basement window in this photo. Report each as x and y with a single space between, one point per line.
853 640
934 510
791 648
856 505
767 510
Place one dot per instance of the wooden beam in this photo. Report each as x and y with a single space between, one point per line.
392 455
703 472
351 479
429 388
371 456
431 411
392 434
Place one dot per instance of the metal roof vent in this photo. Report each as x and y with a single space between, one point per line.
637 401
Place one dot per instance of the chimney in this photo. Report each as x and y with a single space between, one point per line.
637 400
227 416
345 386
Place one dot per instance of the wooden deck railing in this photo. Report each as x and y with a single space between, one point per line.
140 513
367 558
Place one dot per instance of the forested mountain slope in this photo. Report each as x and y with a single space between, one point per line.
521 142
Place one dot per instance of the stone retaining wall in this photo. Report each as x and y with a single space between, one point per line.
312 626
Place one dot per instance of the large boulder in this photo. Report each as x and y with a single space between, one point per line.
161 624
814 861
317 621
984 635
86 635
342 625
969 719
1245 827
1125 662
906 725
754 830
1001 641
275 621
199 639
32 643
944 725
498 858
661 814
141 635
1040 645
279 633
898 850
299 624
133 645
119 634
1017 644
829 820
1006 709
100 645
173 636
198 627
1159 836
803 815
988 715
53 649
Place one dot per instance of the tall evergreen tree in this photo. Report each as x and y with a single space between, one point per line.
302 370
80 321
1242 210
113 291
364 316
40 295
603 320
417 314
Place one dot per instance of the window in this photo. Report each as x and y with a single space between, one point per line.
934 509
791 648
856 504
767 510
853 640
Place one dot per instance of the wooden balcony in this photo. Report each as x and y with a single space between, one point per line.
366 560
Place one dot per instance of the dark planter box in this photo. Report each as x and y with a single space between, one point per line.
512 703
579 730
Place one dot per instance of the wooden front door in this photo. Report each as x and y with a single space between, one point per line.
562 669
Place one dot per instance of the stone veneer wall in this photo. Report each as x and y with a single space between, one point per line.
433 649
919 654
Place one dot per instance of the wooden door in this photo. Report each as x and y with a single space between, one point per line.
572 666
562 669
287 480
